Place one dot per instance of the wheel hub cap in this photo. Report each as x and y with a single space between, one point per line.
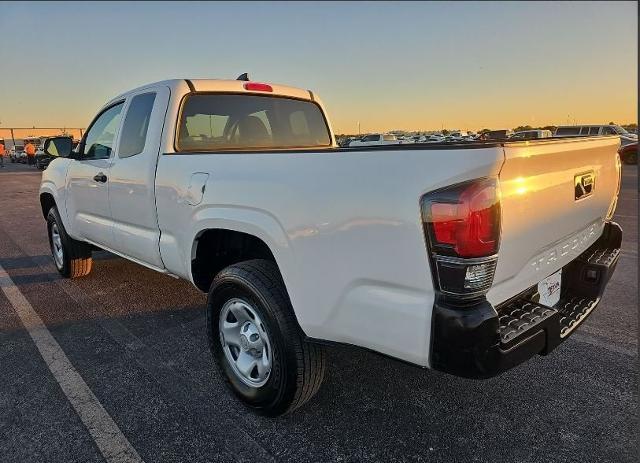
245 342
56 246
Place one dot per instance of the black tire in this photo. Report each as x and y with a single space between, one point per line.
76 256
297 366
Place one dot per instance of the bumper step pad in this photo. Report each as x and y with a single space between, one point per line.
572 311
519 316
606 256
585 279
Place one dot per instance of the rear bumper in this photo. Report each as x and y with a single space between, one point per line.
481 341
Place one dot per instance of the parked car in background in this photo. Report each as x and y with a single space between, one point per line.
458 136
403 139
626 137
497 134
17 154
436 138
629 153
376 139
531 134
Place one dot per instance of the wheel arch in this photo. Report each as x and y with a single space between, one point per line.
213 249
47 201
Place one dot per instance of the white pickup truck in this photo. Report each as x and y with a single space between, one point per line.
466 258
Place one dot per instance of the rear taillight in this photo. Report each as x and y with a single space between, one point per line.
462 224
258 87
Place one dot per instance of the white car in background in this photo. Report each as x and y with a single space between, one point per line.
459 135
404 140
376 139
436 138
531 134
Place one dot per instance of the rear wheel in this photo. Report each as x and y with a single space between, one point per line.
257 342
71 257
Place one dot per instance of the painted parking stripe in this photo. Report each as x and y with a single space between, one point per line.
113 445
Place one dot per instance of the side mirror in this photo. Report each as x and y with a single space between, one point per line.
59 146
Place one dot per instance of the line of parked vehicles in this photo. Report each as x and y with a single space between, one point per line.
628 140
18 154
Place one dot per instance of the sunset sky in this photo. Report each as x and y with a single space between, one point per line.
415 66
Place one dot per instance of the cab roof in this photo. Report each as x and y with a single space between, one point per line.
220 85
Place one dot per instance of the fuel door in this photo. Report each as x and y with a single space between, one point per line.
197 185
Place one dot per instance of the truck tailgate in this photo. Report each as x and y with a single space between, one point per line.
555 198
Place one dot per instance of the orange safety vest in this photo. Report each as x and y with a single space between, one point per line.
30 150
2 151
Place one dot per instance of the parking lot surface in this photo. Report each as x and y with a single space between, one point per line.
137 340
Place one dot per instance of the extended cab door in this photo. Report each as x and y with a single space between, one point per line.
132 177
88 179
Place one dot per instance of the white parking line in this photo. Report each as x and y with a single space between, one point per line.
113 445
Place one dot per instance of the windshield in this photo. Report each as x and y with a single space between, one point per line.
215 122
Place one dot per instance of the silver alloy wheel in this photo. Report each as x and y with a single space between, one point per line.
56 246
245 342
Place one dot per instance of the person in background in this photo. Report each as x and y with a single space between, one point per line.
3 153
30 149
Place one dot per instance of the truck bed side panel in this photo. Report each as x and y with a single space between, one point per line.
344 227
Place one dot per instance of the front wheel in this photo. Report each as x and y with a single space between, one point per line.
257 342
71 257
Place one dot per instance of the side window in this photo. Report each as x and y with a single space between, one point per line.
608 131
584 131
594 130
136 124
98 142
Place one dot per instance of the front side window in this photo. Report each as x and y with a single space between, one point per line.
98 142
218 122
608 131
136 124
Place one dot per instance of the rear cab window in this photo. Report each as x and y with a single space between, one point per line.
243 122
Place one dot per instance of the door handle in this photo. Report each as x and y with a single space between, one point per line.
100 177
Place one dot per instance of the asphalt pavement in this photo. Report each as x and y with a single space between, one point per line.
137 340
